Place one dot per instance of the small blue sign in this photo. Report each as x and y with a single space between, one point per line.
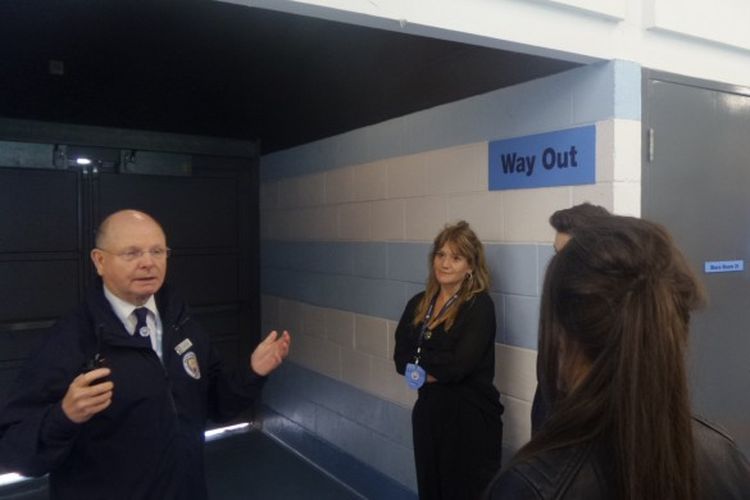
562 158
724 266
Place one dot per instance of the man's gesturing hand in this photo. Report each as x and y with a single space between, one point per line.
270 353
83 400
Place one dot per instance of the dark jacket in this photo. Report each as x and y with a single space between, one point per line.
581 472
149 442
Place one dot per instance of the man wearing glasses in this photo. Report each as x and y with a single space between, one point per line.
115 403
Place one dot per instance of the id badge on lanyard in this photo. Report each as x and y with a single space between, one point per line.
415 375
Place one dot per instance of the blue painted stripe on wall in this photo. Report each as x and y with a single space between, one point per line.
408 262
370 259
315 256
521 320
602 91
373 297
514 268
373 430
499 301
334 275
545 253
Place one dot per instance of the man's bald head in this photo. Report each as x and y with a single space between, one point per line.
131 255
118 217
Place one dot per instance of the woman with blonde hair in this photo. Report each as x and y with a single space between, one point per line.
614 319
445 348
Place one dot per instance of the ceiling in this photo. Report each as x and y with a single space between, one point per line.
218 69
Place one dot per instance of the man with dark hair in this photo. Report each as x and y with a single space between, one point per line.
564 222
115 403
568 219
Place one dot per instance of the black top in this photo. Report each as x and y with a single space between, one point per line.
583 472
462 357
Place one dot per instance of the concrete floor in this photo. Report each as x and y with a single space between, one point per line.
243 466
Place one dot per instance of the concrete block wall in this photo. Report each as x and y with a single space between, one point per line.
347 224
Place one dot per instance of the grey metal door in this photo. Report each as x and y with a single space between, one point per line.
696 181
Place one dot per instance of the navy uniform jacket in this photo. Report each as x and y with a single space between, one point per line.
149 442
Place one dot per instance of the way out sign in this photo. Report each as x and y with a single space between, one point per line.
562 158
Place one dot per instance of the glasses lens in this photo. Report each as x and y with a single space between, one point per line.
131 255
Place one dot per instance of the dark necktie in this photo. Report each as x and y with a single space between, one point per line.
141 327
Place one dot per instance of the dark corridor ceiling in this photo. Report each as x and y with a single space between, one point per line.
218 69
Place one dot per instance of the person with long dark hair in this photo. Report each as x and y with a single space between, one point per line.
615 311
445 346
563 221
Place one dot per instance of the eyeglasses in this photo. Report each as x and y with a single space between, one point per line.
131 255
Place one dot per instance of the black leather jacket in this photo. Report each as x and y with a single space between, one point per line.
581 472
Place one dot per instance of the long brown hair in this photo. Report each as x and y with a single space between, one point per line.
466 244
619 296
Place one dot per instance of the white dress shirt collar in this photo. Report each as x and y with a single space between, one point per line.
124 309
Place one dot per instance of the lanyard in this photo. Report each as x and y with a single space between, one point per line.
426 322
